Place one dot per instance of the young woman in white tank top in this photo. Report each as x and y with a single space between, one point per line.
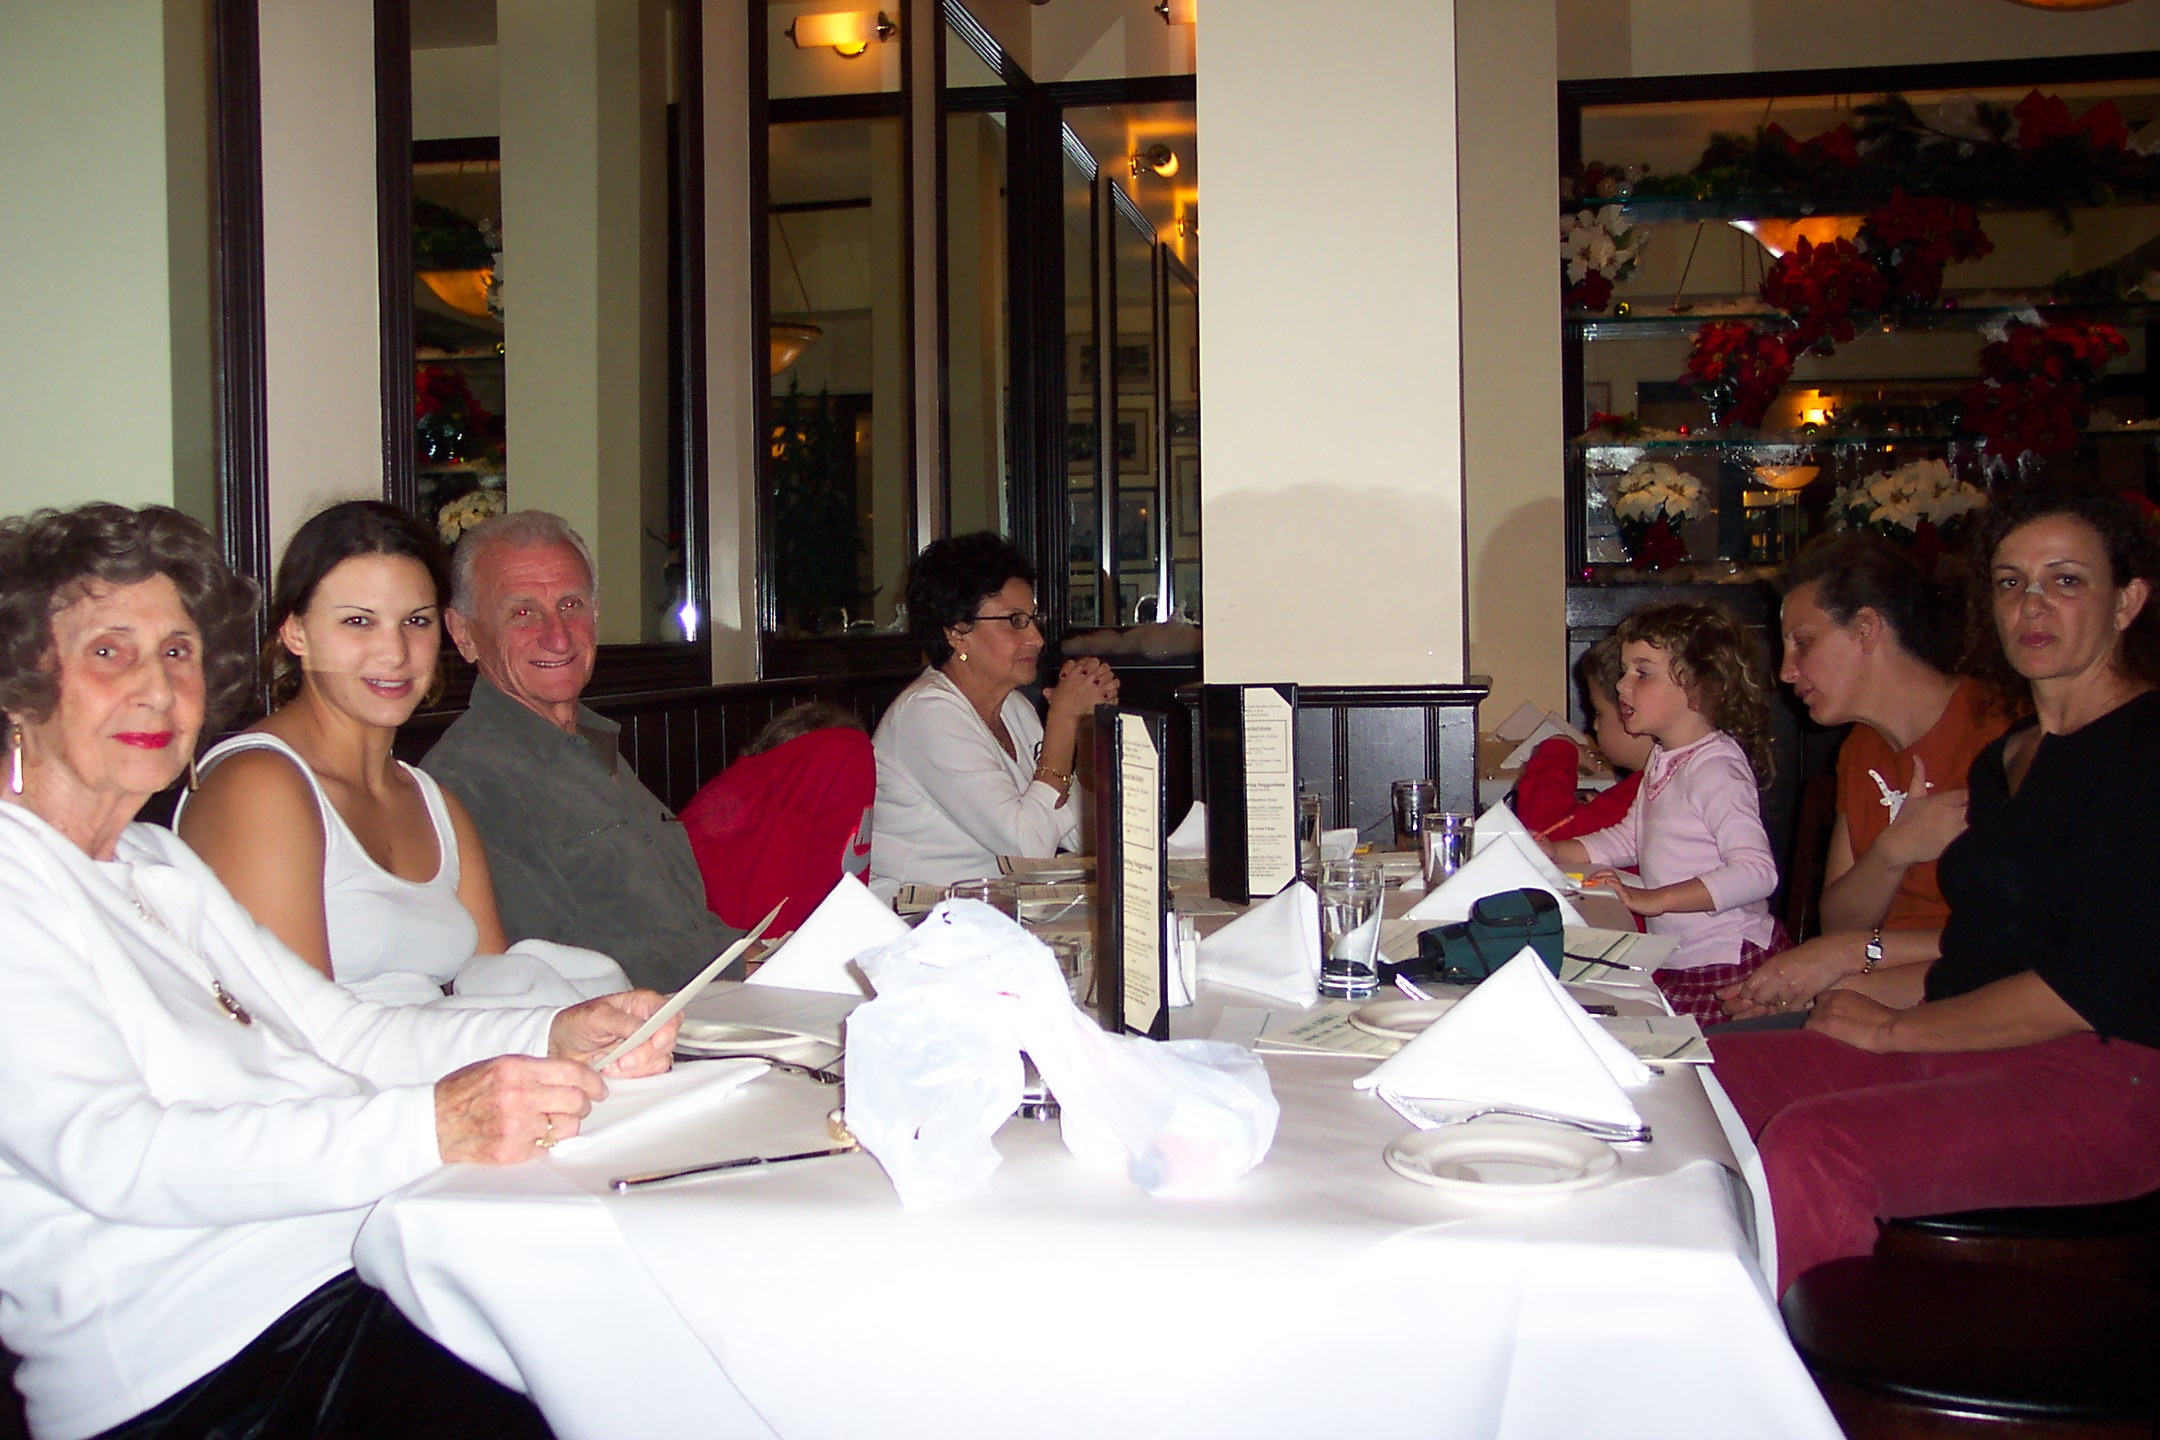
359 863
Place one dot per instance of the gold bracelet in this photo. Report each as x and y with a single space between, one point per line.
1058 778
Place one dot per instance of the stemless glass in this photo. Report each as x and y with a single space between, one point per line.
1446 840
1412 799
1308 837
999 893
1350 892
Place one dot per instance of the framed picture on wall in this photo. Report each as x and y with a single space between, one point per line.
1185 493
1082 600
1185 575
1135 450
1184 425
1082 534
1137 528
1080 440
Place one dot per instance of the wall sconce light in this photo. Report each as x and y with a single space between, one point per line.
1159 158
1184 12
848 32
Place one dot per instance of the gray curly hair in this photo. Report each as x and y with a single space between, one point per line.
522 530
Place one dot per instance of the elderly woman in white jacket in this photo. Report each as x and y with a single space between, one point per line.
966 770
193 1120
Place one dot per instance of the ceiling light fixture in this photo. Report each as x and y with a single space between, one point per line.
789 338
848 32
1780 236
1159 158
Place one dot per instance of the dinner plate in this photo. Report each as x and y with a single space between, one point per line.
720 1037
1503 1161
1055 872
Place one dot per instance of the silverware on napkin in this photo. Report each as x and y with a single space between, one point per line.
1424 1119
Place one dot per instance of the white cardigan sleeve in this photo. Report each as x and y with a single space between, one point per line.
126 1090
952 759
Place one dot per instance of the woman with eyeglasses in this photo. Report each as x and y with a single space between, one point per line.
966 771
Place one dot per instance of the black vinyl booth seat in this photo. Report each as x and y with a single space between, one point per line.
2115 1241
2015 1351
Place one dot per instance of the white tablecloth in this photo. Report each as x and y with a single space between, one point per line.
1322 1294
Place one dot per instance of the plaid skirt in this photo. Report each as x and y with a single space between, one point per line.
1694 992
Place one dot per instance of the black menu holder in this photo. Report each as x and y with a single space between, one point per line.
1132 980
1249 741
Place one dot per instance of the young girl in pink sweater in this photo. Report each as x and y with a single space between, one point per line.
1695 832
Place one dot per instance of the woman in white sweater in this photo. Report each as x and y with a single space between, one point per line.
966 772
194 1120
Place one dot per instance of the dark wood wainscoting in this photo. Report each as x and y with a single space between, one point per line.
1355 741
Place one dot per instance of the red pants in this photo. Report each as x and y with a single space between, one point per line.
1849 1138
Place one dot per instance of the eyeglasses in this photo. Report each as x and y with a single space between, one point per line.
1018 619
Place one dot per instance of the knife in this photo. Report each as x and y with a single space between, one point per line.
690 991
624 1184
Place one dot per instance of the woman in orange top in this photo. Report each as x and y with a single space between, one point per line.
1869 640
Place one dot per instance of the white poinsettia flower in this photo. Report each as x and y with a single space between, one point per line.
1609 218
1959 116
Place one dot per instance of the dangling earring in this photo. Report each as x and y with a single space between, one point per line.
192 779
15 758
963 657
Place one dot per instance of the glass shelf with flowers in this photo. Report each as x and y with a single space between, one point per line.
1921 505
1649 504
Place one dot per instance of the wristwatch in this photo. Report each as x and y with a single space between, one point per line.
1874 952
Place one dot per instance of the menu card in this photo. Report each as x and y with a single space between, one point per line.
1249 739
1132 985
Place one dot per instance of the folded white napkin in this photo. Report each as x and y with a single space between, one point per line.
1501 820
1338 844
1517 1039
1272 949
536 973
1506 864
1551 725
1189 840
846 923
1527 717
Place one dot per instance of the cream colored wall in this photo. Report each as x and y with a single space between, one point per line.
453 93
320 307
1512 460
731 438
1678 37
1330 346
86 378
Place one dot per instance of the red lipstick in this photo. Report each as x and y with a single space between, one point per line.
145 739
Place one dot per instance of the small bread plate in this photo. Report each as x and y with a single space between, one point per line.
1399 1019
725 1038
1503 1161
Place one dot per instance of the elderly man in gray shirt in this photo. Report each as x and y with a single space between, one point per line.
582 853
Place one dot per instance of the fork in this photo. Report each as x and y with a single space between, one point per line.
1425 1119
823 1077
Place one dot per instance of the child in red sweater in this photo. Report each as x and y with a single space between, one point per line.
1545 795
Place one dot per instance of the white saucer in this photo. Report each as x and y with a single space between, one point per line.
719 1037
1399 1019
1503 1161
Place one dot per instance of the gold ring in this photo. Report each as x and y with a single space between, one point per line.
547 1141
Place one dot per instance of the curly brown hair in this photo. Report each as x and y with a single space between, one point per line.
49 559
2132 541
1718 663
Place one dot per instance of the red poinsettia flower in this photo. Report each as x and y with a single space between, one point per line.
1592 292
1776 134
1836 144
2103 125
2042 120
1914 237
1821 286
1739 369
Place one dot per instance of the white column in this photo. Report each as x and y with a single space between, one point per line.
321 310
1508 111
730 354
1330 345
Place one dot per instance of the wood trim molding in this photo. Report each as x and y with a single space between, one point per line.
1862 80
237 262
394 249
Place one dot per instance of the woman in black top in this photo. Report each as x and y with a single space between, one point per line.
2023 1066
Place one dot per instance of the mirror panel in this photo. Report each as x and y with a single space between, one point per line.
1181 434
1137 557
547 284
1086 578
977 324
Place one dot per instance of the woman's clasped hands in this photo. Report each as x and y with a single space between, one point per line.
1082 684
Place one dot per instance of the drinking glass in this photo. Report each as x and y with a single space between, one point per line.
1412 799
999 893
1350 892
1445 843
1308 836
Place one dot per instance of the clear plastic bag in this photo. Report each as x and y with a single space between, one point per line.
934 1070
